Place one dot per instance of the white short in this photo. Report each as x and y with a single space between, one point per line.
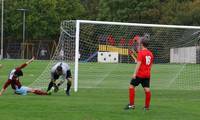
23 90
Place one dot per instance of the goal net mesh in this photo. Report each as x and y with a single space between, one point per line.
104 61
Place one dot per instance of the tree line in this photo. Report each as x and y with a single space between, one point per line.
44 16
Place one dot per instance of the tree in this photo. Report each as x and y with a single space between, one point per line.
146 11
43 19
189 15
182 12
91 8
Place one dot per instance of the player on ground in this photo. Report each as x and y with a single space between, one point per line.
13 80
60 69
141 75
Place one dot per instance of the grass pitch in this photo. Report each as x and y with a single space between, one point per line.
103 94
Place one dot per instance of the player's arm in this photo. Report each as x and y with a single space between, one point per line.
62 81
25 64
133 55
7 83
31 60
139 60
52 77
136 69
67 77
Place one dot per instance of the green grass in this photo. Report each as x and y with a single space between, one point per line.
103 94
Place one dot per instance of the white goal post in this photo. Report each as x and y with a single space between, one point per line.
95 50
79 22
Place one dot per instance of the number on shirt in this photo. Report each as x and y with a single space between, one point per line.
148 60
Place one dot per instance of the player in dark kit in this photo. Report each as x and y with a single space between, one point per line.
13 80
141 75
60 69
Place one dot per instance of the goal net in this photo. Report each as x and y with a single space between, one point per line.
98 54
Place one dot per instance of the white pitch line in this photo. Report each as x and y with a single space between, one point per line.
170 83
105 76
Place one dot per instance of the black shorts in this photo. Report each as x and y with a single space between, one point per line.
56 76
145 82
69 74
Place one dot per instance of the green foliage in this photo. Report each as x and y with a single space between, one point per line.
189 15
182 12
150 11
91 8
43 18
146 11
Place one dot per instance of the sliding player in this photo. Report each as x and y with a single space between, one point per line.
60 69
141 75
18 88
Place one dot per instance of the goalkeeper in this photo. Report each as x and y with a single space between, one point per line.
60 69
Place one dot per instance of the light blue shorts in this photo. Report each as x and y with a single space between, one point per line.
22 91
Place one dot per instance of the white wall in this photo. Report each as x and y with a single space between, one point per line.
183 55
108 57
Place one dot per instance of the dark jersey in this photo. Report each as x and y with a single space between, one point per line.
13 80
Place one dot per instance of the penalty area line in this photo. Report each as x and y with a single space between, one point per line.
176 76
105 76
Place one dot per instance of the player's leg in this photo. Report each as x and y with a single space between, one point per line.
146 86
52 82
148 98
133 84
69 82
22 90
60 83
38 92
131 96
56 87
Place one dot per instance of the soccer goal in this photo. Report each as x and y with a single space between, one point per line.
98 54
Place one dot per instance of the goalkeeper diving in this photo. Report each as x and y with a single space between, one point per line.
60 69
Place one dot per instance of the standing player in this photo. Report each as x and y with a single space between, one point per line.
141 75
13 80
60 69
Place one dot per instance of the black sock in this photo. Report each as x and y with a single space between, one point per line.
50 86
68 86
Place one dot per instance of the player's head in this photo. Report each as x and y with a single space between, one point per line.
144 42
18 73
59 70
